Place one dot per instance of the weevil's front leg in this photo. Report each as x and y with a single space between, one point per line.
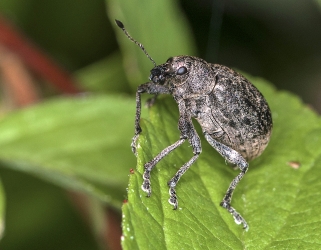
149 88
187 129
138 129
235 158
173 182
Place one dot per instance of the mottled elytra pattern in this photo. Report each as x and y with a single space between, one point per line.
234 116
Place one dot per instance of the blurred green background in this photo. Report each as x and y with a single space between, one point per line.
277 40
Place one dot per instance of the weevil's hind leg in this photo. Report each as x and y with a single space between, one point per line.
150 165
226 202
235 158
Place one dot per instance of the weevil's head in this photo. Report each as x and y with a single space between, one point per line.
176 68
180 70
158 74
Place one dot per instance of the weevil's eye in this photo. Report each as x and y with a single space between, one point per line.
181 71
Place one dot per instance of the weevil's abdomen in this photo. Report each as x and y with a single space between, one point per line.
241 112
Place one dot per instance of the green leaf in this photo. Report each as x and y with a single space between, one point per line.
280 203
80 143
147 22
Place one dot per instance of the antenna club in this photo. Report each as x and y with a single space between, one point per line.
119 24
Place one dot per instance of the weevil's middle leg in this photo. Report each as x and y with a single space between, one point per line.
150 165
188 131
173 182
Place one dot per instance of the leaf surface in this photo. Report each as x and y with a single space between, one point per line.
81 143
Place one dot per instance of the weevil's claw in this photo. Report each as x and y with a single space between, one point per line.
239 220
246 227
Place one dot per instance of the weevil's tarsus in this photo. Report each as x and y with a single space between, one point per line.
121 25
237 217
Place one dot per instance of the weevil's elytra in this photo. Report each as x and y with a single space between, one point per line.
234 116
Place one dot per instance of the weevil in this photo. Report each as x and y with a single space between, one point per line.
234 116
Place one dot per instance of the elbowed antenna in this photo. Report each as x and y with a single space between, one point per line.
121 25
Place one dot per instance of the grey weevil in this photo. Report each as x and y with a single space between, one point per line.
234 116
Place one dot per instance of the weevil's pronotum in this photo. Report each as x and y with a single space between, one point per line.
234 116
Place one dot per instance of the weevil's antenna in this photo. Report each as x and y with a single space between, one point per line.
121 25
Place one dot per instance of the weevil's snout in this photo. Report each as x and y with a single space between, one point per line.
158 74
